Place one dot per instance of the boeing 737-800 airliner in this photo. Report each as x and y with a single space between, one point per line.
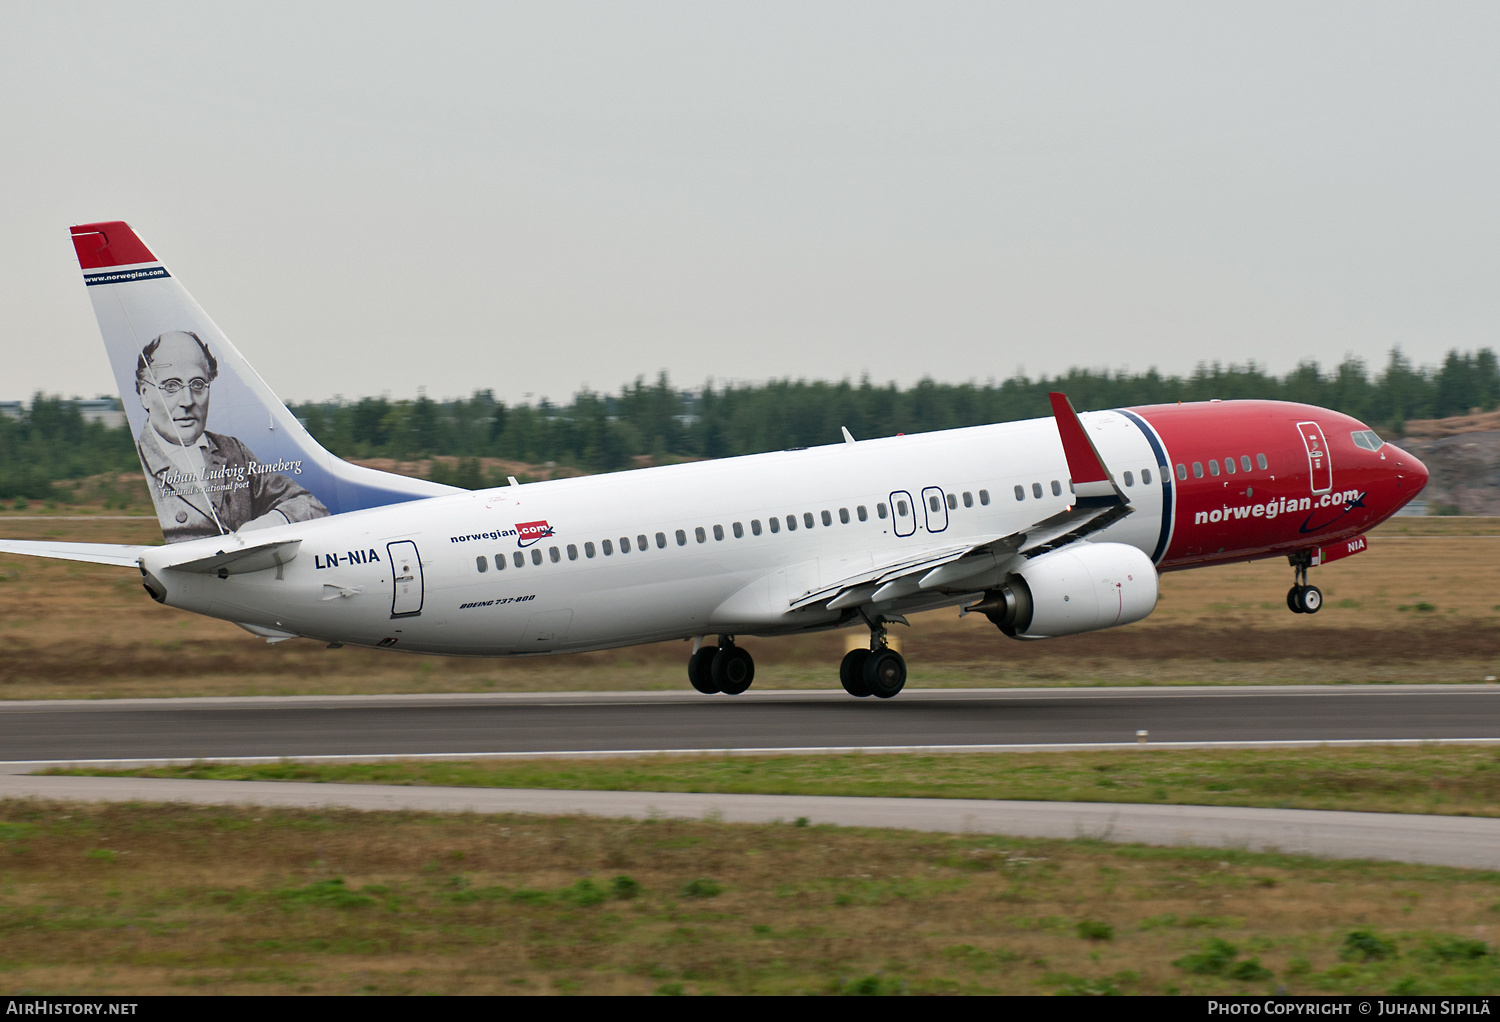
1048 527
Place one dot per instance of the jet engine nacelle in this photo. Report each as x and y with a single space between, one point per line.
1080 588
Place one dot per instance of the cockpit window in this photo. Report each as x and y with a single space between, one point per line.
1367 439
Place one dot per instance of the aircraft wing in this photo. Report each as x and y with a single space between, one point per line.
861 588
1067 527
949 566
1099 503
95 553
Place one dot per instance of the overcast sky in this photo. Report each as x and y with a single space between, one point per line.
535 197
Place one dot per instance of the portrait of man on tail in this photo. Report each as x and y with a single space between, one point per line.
204 483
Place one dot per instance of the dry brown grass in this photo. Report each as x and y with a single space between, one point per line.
1421 605
136 900
1430 429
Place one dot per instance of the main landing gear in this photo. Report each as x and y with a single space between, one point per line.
1303 598
878 671
723 668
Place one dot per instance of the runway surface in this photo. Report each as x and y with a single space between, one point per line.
366 726
1436 840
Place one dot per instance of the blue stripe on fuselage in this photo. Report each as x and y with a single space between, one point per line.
1163 469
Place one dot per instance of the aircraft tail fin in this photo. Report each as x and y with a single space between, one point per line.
221 452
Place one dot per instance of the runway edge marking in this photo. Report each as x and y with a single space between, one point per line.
29 766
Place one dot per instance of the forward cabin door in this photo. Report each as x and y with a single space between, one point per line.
406 570
1320 466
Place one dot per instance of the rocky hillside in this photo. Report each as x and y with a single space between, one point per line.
1463 455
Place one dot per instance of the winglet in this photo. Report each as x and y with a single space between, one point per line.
1092 483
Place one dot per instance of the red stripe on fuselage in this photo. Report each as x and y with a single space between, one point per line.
1263 512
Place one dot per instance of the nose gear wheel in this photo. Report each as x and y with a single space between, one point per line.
1303 598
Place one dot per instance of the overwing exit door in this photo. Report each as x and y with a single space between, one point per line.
935 508
903 513
406 572
1319 465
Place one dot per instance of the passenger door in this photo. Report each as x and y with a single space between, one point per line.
406 572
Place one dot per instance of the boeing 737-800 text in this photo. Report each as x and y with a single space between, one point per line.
1048 527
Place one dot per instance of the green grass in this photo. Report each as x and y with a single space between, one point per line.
1446 779
238 900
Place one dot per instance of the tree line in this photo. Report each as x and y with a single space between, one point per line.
600 433
50 441
605 432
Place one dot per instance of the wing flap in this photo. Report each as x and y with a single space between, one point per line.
875 578
1077 523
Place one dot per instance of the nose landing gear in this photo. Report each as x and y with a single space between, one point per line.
878 671
725 668
1303 598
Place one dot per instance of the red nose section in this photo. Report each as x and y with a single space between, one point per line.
112 243
1413 473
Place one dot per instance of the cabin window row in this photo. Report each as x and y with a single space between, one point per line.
1036 490
555 555
1229 466
935 503
1128 477
642 541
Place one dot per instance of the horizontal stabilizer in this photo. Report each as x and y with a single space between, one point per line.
243 560
94 553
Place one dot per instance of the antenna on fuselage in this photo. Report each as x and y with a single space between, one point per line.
848 437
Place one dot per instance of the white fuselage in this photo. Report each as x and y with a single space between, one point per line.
348 581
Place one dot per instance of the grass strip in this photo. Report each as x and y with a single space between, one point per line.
1445 779
142 899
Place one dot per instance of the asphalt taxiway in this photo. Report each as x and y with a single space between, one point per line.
140 731
1461 841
